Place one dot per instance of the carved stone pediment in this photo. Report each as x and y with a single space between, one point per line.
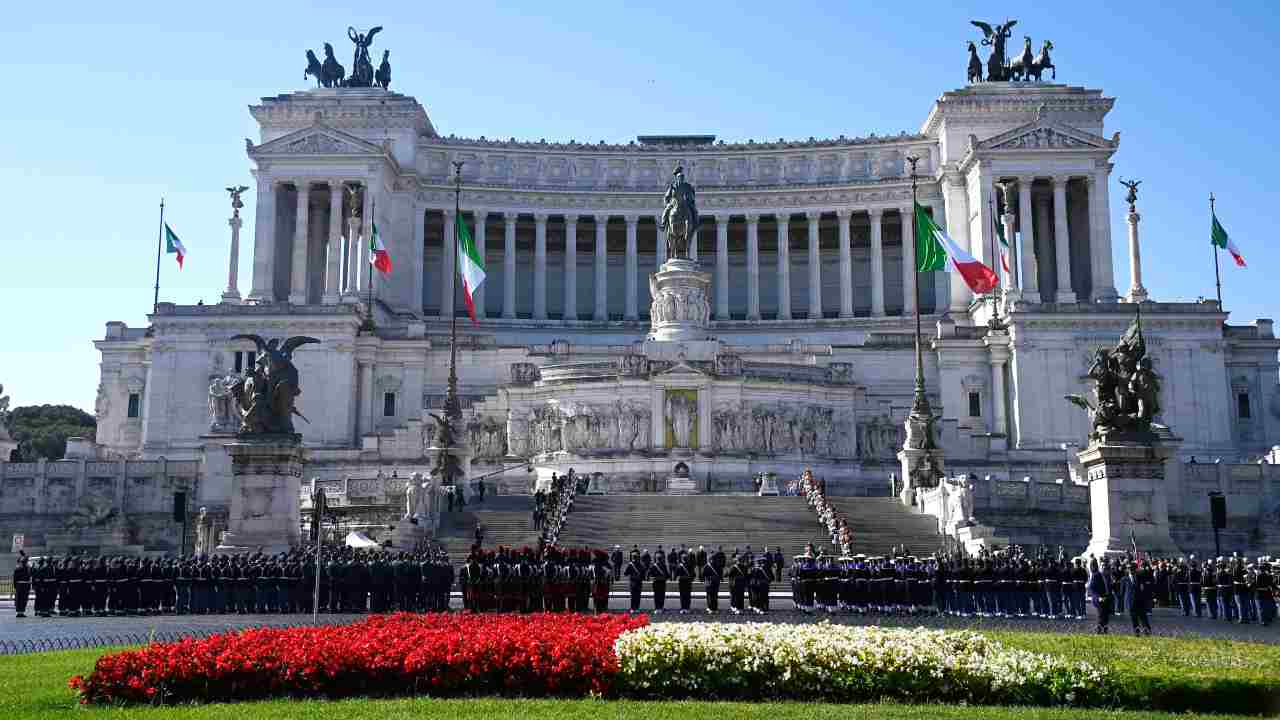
316 140
1043 135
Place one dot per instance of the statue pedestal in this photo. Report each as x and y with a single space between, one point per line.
462 480
1127 496
266 476
921 465
680 309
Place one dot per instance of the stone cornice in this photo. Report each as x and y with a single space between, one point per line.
750 146
985 100
366 108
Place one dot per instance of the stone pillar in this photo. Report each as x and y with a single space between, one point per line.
446 265
298 268
540 266
365 421
693 241
482 227
1044 268
264 243
1011 280
366 231
999 358
659 246
1062 240
958 229
350 293
1137 293
333 254
784 267
815 264
909 278
877 263
231 296
631 269
1128 497
722 267
1104 278
753 266
509 220
570 268
843 216
1027 274
419 250
602 268
272 471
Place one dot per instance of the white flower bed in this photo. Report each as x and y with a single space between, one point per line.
844 663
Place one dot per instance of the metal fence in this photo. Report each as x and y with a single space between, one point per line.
6 587
81 642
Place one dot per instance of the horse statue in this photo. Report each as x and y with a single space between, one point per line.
1043 62
679 216
382 78
314 69
995 37
1020 67
975 65
332 72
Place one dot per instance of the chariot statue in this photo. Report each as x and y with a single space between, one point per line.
361 66
679 215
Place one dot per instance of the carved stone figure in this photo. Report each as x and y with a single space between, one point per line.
633 365
410 501
682 413
267 394
203 538
728 365
221 399
102 405
679 215
524 373
487 437
91 511
518 440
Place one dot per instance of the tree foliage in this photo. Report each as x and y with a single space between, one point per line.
42 430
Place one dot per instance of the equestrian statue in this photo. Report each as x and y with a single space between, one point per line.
679 216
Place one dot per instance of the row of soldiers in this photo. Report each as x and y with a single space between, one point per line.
350 580
1231 589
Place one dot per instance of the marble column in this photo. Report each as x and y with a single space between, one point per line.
540 266
602 268
351 292
231 296
1137 293
447 270
843 216
509 220
958 229
366 231
693 243
659 245
631 269
877 262
333 254
298 269
722 266
908 260
570 267
999 356
264 243
418 257
753 266
1062 240
1104 280
814 218
481 228
1043 249
784 267
1010 276
1027 275
365 422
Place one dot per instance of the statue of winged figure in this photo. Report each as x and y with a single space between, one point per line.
362 66
236 202
995 36
268 391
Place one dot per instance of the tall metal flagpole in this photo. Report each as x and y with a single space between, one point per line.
919 401
159 247
1217 278
992 206
452 409
368 317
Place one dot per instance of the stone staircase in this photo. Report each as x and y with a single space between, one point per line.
507 519
735 521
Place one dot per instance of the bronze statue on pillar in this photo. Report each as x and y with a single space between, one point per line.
266 394
1126 389
679 216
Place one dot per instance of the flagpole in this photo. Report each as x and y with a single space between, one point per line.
155 301
995 292
1216 276
452 409
368 317
919 401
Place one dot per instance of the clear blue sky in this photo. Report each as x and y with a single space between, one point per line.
109 106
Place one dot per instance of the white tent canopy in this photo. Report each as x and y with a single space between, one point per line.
360 540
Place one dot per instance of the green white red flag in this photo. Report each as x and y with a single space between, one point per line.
174 246
470 266
1218 236
378 254
935 250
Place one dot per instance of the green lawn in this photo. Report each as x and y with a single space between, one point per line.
1168 673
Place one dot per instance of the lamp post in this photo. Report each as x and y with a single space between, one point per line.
919 401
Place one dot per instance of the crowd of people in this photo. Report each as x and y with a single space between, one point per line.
351 580
551 509
837 526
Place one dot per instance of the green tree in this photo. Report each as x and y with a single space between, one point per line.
42 430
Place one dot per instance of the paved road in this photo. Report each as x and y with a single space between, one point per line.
30 634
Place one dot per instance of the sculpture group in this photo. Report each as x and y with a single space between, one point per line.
1126 388
1026 66
265 395
331 74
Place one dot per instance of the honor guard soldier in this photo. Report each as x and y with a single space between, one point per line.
758 583
601 581
738 576
658 576
684 580
21 585
711 587
635 573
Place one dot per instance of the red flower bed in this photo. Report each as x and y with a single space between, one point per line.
434 654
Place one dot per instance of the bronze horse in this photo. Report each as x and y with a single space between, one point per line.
334 73
1043 62
314 69
1020 67
975 64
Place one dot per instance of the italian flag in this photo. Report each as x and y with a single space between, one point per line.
934 250
1218 236
378 254
470 266
1004 245
174 246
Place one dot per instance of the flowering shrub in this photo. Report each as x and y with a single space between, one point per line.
841 663
435 654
